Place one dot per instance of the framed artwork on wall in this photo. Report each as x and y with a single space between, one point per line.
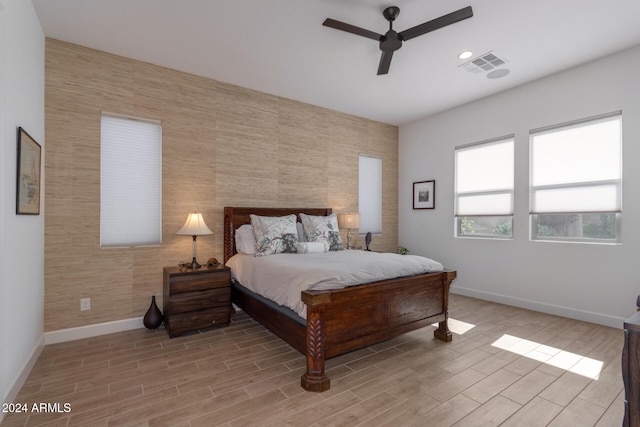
28 176
424 194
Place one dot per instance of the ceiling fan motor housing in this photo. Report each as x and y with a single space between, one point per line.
390 41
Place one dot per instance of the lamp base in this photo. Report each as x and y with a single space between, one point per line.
349 245
193 264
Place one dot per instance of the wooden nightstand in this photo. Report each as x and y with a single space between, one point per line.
196 298
631 371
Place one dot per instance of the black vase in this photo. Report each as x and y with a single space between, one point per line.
153 317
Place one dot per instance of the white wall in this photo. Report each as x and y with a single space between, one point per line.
597 283
21 236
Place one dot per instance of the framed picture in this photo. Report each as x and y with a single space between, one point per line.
424 195
28 177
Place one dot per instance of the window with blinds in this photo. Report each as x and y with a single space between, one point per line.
370 194
130 181
576 180
484 181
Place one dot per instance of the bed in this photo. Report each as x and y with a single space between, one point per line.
342 320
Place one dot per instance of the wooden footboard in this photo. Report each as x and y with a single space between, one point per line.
347 319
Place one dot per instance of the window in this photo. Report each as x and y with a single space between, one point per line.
576 180
130 182
484 188
370 194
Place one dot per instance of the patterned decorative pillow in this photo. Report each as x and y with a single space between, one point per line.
322 229
274 234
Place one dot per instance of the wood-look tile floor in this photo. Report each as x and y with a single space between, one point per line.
506 366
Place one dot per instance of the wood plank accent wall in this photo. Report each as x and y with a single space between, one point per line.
223 145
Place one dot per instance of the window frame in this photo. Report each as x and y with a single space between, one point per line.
534 215
459 218
116 221
367 199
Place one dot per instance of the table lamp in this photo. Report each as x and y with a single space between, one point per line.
195 227
349 220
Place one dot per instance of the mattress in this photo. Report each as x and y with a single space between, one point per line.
282 277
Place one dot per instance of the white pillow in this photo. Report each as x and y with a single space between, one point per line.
322 229
274 234
245 240
312 247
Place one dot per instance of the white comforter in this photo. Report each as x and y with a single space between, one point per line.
282 277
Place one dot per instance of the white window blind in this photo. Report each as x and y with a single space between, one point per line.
577 168
130 182
370 194
484 178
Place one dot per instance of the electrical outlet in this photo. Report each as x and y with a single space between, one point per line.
85 304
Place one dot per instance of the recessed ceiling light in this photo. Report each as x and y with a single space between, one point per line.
465 54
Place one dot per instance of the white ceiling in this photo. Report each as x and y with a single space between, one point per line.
280 46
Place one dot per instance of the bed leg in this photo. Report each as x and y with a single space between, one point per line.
315 384
315 379
443 333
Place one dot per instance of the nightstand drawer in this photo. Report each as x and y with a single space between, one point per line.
197 282
190 301
179 323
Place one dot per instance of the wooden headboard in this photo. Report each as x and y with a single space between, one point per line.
234 217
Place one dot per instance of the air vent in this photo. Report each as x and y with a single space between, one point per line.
483 63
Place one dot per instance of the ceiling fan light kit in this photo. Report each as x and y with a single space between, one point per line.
392 40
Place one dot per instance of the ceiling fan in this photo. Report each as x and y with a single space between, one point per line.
392 41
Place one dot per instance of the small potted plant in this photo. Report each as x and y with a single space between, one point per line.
402 250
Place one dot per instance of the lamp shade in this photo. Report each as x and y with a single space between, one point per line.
194 226
349 220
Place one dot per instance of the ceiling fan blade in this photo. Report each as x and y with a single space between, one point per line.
434 24
385 62
351 29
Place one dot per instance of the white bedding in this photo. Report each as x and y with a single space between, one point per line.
282 277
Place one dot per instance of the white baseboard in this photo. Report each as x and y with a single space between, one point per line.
558 310
24 373
71 334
